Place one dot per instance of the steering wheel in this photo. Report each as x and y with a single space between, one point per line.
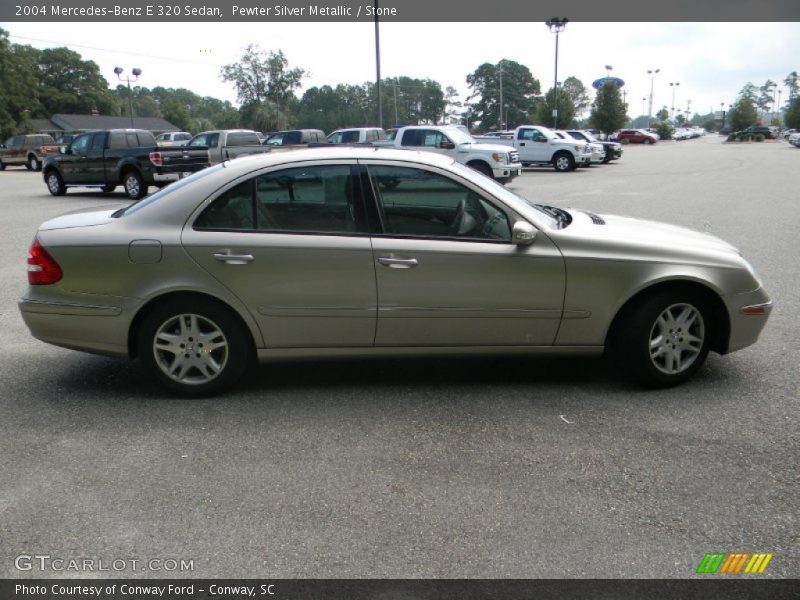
455 225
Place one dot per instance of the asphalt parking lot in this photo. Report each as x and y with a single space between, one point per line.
425 468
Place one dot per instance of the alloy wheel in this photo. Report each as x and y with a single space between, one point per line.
190 349
676 338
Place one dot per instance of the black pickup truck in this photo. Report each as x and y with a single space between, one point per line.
112 157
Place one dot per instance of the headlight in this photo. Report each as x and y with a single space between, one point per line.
500 158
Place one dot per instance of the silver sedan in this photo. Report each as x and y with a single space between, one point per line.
376 252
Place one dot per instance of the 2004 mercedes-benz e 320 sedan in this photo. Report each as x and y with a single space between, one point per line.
364 252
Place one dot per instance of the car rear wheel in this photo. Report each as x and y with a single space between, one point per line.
34 164
55 184
134 186
563 161
2 166
482 167
195 348
665 339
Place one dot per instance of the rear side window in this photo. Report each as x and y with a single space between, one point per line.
349 137
145 139
182 137
313 199
117 140
98 141
243 138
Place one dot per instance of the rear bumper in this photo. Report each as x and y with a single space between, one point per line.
99 329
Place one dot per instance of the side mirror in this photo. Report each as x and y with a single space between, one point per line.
523 233
446 145
63 149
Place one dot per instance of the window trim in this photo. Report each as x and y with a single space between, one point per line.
375 205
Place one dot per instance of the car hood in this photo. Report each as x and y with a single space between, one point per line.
658 233
81 218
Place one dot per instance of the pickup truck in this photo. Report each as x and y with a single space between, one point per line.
227 144
357 135
173 138
493 160
26 150
538 145
294 139
111 157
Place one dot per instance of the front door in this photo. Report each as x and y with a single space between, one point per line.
292 245
447 272
532 145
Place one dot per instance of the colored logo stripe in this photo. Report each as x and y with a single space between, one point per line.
734 562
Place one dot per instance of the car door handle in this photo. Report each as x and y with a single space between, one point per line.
398 263
233 259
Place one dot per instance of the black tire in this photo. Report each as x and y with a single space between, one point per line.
482 167
134 185
649 141
2 166
108 188
195 381
644 325
55 184
34 164
563 162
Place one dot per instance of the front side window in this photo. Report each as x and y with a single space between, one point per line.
81 144
532 135
312 199
419 203
162 137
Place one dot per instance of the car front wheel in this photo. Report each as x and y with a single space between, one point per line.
195 348
55 184
665 339
34 164
564 161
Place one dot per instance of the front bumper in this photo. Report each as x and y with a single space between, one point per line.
748 315
507 172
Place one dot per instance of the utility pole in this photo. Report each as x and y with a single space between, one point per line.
135 72
652 73
556 25
378 65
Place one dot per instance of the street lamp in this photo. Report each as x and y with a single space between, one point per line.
652 73
644 104
378 66
674 85
556 25
722 110
688 110
135 72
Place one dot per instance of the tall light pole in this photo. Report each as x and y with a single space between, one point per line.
378 65
722 110
674 85
688 110
556 25
652 73
135 72
500 64
644 104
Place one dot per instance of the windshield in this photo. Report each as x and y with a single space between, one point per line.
504 194
173 187
458 136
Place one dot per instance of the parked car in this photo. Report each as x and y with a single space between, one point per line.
681 134
357 135
363 252
173 138
787 132
111 157
636 136
794 139
294 139
598 152
613 150
227 144
754 130
26 150
539 145
493 160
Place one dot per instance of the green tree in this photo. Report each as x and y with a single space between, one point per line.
791 117
792 82
578 95
69 84
663 114
520 89
744 113
453 105
608 110
263 80
765 98
17 86
566 110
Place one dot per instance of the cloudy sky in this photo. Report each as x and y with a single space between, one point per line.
711 61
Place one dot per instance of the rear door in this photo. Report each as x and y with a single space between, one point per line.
293 245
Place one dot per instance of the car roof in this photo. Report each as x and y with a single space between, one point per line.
335 152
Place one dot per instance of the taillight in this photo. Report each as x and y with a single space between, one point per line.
155 158
42 269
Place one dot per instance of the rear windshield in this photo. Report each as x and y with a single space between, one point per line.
163 193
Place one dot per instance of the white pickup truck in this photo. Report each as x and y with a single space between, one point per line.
493 160
537 145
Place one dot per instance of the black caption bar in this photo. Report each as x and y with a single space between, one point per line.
399 589
397 10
